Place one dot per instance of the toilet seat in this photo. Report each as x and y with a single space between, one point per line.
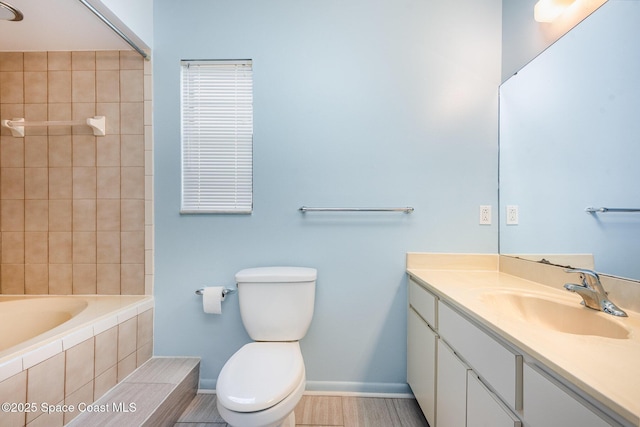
260 375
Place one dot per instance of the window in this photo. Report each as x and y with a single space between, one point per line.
217 137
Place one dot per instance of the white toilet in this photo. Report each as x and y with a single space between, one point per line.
261 384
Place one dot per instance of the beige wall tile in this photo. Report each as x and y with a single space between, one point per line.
132 182
127 365
36 153
106 350
36 216
108 214
132 247
60 151
108 150
144 353
108 251
35 87
60 215
79 366
145 327
60 247
111 112
36 183
12 247
108 278
84 279
36 249
132 118
84 182
132 279
36 279
132 218
131 86
12 87
105 381
12 278
108 86
60 279
12 185
108 182
14 390
11 61
45 382
130 60
11 152
12 215
51 419
80 111
84 247
35 61
60 183
84 215
132 150
59 111
36 112
59 86
83 60
127 335
84 150
59 60
108 60
83 395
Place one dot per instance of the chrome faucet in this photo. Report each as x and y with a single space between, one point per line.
592 292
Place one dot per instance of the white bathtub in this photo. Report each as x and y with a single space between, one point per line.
34 328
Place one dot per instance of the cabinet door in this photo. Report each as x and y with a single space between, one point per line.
451 402
548 405
421 364
484 408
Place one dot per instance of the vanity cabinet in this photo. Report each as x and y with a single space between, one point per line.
465 376
547 404
421 349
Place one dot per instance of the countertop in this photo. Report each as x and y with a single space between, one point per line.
606 369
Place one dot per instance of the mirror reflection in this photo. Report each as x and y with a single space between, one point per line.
570 140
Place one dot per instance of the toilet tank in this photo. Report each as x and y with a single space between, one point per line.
276 303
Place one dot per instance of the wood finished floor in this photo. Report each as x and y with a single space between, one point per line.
322 411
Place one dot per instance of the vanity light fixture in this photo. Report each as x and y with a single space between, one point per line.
9 13
549 10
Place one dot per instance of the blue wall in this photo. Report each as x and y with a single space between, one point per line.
356 103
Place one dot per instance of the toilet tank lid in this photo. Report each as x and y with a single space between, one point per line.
276 274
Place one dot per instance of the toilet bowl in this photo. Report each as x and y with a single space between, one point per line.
261 384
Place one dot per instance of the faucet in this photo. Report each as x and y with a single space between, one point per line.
592 292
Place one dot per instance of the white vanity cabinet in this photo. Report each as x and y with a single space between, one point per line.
421 349
451 403
546 404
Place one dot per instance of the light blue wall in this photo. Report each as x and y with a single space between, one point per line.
357 103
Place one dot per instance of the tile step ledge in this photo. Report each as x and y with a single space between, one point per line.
155 394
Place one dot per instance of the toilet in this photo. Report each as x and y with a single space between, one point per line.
261 384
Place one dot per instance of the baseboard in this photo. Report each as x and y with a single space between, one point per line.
340 388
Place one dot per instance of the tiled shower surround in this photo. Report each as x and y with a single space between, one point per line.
72 205
76 217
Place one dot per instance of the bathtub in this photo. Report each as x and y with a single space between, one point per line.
38 329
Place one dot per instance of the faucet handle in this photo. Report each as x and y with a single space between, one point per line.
590 279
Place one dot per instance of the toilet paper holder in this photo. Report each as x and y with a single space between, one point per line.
225 291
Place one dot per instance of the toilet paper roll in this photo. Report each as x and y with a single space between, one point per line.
212 298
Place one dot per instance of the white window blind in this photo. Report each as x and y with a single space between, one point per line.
217 137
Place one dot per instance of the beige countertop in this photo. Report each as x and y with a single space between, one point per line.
606 369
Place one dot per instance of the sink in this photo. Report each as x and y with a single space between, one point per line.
567 317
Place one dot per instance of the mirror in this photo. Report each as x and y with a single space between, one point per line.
570 139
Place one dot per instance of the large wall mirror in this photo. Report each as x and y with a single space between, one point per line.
570 140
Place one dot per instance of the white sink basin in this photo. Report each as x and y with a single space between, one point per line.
560 316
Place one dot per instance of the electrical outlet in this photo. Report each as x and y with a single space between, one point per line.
485 214
512 215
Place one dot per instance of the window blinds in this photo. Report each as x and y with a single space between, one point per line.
217 137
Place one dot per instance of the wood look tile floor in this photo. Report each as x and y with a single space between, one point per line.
322 411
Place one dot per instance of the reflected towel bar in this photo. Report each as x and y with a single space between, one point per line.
602 210
305 209
225 291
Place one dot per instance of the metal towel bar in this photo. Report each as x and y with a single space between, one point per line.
603 209
305 209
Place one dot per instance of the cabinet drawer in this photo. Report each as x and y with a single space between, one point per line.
423 302
484 408
548 405
421 363
499 366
